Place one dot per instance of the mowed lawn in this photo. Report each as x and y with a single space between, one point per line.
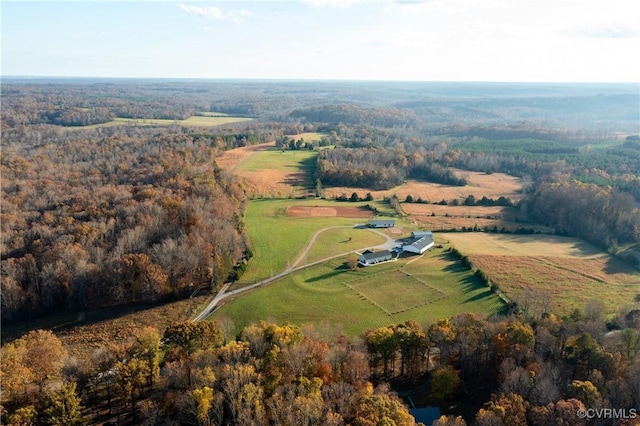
567 271
433 287
332 242
277 239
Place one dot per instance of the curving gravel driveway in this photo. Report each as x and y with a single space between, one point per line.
223 293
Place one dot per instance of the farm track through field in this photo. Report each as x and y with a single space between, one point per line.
223 294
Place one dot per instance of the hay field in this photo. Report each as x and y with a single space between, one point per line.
480 184
230 159
567 271
270 172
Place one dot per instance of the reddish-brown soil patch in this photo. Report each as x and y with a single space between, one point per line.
307 211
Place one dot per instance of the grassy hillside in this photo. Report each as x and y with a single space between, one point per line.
277 239
432 287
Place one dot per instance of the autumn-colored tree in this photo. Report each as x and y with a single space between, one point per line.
191 336
36 358
382 345
510 409
445 381
449 420
585 392
147 347
352 262
64 407
442 334
380 408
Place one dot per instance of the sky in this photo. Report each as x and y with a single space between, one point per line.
406 40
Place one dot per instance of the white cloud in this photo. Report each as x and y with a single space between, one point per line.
212 12
605 30
330 3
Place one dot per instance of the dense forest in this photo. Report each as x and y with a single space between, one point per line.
103 216
539 371
113 216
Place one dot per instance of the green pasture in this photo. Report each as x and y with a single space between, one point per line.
332 242
302 161
277 239
433 287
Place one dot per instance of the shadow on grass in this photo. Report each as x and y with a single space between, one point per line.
339 270
472 283
479 296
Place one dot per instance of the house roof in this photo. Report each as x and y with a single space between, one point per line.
419 234
381 221
422 242
376 254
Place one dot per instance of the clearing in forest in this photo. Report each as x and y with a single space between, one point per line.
308 136
193 121
493 185
272 172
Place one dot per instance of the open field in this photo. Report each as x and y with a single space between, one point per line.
341 240
193 121
568 271
230 159
494 186
308 136
277 239
437 217
523 245
326 211
276 173
432 287
382 290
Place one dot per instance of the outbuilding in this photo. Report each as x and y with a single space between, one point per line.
369 257
419 245
420 234
381 223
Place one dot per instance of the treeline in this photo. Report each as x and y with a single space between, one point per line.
539 370
600 215
195 373
113 216
379 168
354 114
